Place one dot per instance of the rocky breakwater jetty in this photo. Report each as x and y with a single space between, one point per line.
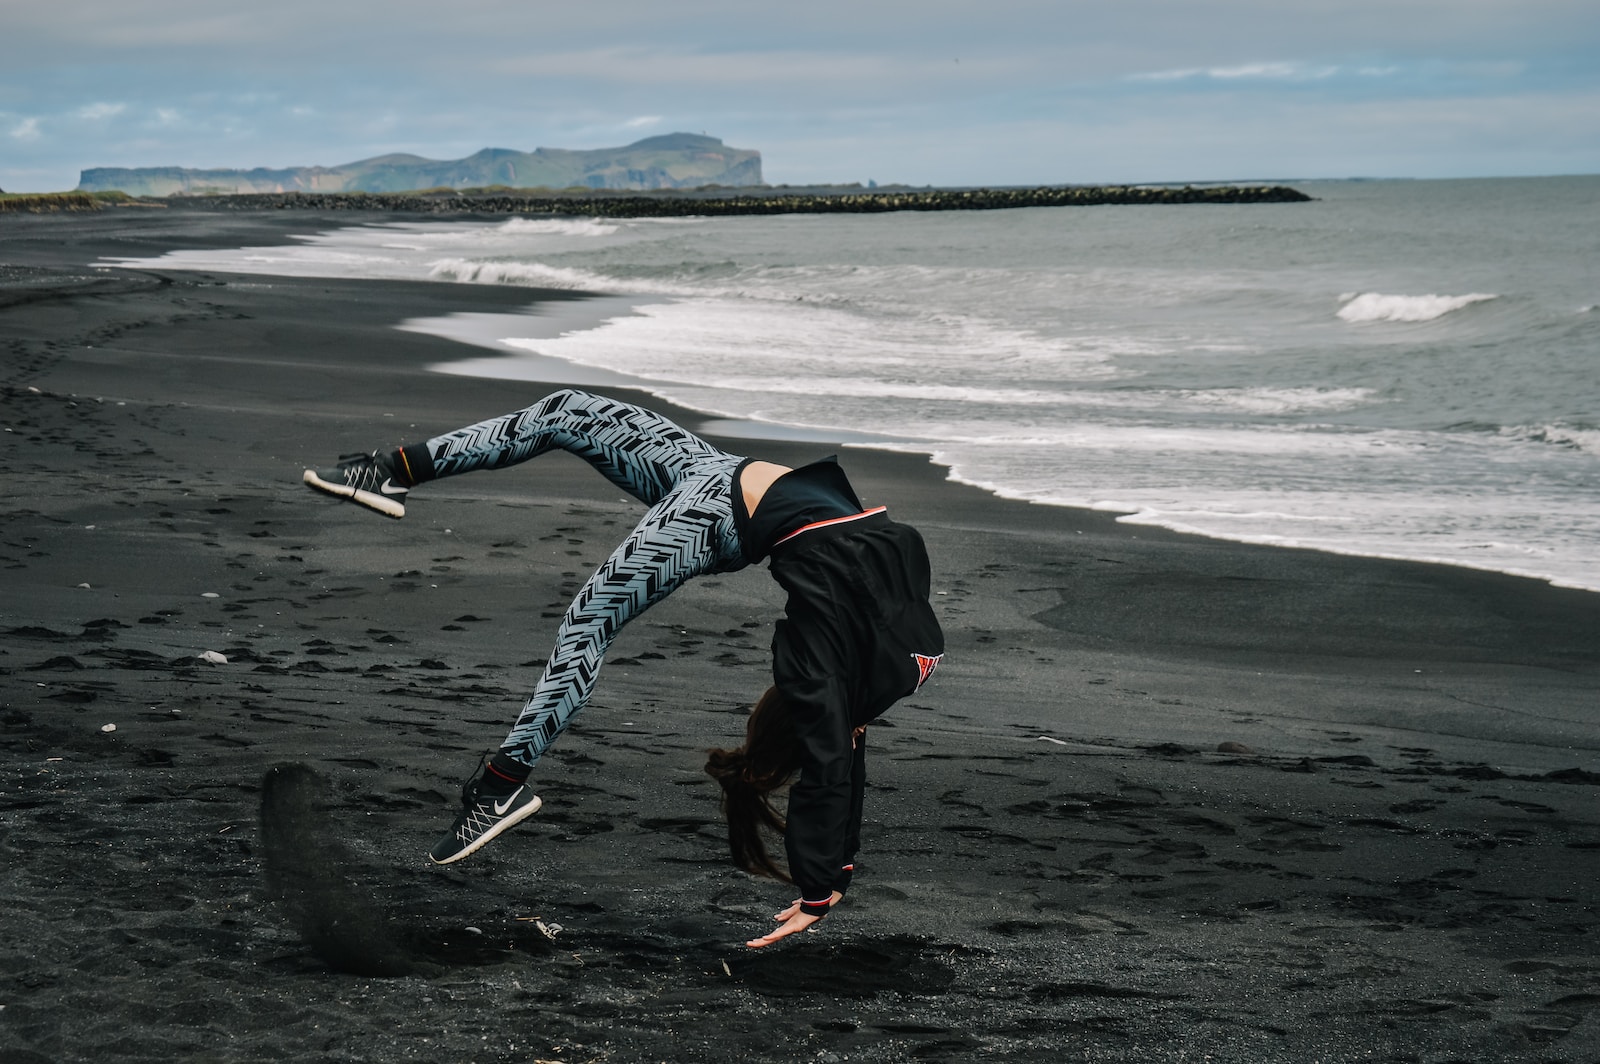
702 203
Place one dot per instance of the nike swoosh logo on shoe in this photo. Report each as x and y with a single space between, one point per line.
389 487
500 809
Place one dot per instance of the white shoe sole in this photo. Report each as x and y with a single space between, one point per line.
370 499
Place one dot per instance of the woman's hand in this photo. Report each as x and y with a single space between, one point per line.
790 921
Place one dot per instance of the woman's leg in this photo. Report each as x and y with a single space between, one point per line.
684 535
636 449
687 533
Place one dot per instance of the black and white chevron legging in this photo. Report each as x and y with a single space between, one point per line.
688 530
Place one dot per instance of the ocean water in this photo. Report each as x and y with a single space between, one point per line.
1406 369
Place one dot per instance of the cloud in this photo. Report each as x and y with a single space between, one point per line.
1279 71
111 26
642 121
95 112
27 129
771 71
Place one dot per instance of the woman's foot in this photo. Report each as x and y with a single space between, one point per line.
368 479
490 805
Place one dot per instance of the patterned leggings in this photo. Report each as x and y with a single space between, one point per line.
688 530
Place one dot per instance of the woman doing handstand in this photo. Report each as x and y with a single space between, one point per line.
858 632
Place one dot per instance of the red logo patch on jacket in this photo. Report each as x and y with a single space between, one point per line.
925 666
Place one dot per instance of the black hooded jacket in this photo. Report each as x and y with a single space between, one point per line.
858 635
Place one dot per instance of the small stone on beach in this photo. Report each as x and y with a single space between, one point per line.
215 658
108 727
1231 747
209 594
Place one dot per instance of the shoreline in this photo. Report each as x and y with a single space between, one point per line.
1168 796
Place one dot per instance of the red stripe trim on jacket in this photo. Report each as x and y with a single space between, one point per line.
831 521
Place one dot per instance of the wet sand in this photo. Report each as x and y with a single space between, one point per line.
1168 797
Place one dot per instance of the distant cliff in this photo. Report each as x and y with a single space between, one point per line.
677 160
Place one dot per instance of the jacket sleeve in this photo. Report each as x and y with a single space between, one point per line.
822 806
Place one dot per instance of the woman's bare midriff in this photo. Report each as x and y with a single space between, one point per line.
755 479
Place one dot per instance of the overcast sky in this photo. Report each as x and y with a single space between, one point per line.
999 92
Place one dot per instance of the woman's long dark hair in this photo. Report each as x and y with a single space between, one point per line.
749 775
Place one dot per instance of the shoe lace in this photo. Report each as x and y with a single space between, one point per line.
469 789
360 470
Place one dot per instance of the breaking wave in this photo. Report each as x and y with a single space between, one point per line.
558 227
1373 306
530 274
1570 437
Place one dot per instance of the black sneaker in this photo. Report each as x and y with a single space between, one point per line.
483 816
363 478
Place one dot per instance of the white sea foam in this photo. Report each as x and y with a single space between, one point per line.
1372 306
1191 444
586 227
529 274
1274 400
707 342
1376 505
1557 435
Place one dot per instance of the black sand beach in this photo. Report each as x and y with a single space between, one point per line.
1168 798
